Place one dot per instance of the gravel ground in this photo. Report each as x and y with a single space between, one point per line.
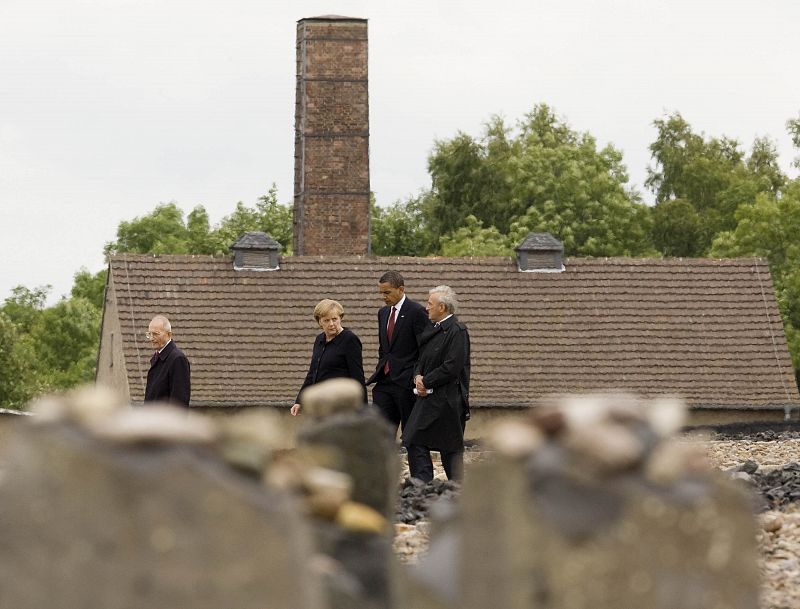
779 531
777 477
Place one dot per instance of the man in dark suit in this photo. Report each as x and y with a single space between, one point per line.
442 384
400 324
169 378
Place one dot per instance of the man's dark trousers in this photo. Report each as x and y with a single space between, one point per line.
420 464
393 393
393 401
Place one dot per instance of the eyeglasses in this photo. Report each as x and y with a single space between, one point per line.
149 335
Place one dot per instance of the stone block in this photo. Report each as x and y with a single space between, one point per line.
497 559
363 447
88 524
368 560
549 530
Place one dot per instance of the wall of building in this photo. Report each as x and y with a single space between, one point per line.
111 370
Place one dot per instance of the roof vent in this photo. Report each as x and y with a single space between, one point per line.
540 253
255 251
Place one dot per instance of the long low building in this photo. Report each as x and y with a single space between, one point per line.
705 330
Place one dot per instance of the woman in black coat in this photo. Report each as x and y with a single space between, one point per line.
337 351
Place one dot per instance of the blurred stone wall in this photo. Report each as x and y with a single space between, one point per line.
590 503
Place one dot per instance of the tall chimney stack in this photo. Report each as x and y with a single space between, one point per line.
331 164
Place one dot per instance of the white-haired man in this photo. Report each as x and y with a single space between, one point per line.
441 381
169 377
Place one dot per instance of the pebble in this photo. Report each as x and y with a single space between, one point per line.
666 416
248 439
355 516
514 439
607 446
771 521
159 423
328 491
331 397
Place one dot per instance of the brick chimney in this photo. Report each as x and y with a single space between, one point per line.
540 252
331 164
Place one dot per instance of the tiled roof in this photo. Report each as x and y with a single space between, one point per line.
331 18
541 242
255 240
706 330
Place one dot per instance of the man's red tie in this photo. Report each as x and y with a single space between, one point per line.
389 330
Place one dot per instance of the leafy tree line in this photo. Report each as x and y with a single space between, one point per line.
164 230
712 198
49 348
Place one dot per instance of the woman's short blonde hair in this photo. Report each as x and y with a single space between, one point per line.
326 305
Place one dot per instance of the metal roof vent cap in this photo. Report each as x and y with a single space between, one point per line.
540 253
255 251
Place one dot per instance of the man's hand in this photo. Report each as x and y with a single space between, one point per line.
421 390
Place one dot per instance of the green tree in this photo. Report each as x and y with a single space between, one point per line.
712 175
243 219
677 228
762 164
66 339
275 219
57 344
162 231
793 127
198 232
401 229
24 307
90 287
473 239
542 176
465 183
267 216
770 228
17 380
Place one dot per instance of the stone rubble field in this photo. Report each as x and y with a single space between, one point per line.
778 480
767 462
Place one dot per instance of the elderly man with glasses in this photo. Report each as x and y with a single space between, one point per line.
441 382
169 378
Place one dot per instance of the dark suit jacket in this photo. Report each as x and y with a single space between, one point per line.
412 320
169 378
341 357
437 420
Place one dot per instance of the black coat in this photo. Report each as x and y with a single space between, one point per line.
403 352
339 358
169 377
437 420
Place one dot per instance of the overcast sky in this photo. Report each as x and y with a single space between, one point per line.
109 107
